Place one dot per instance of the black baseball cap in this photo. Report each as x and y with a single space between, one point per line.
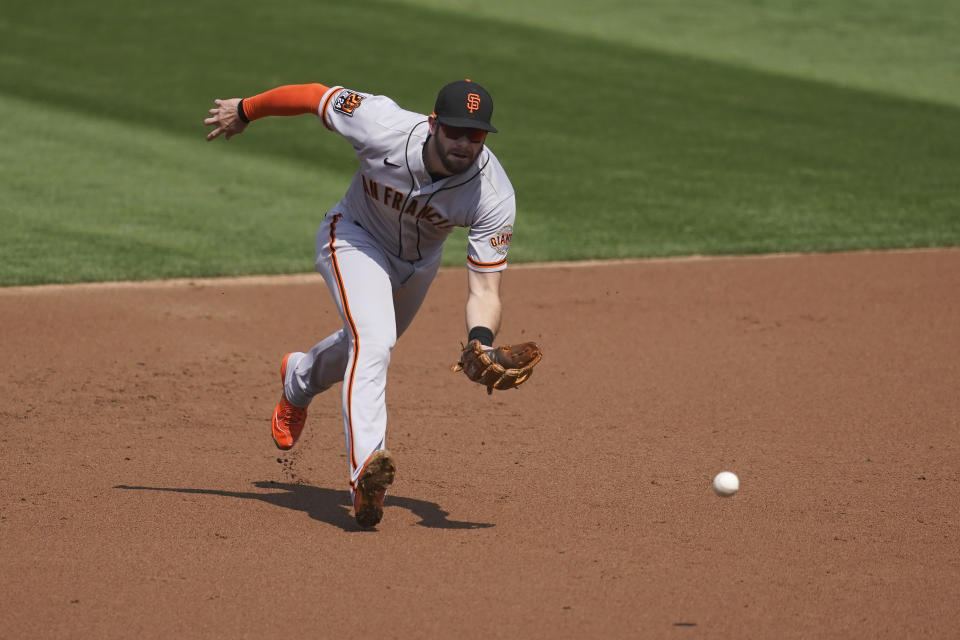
464 104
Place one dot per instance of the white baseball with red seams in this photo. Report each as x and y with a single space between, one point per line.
379 249
726 483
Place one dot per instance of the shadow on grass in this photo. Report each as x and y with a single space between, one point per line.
331 506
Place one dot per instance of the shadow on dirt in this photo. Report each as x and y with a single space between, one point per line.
331 506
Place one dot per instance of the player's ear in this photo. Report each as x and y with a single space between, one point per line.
432 123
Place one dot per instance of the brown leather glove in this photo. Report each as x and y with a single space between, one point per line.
503 367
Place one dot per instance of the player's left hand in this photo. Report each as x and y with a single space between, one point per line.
225 119
503 367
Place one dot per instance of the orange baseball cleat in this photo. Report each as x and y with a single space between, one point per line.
288 420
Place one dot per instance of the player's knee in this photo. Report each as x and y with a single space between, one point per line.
376 351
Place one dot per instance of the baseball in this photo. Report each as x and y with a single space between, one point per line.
726 483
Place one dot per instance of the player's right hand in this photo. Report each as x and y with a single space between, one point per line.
225 119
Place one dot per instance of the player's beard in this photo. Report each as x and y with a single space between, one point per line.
456 163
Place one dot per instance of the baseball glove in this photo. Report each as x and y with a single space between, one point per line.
503 367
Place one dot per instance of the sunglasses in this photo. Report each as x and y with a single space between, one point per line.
454 133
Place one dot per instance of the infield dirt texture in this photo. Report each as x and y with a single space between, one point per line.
141 495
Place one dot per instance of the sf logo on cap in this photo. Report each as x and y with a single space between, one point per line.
473 102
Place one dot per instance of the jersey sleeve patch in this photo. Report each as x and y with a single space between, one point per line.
500 241
347 102
489 252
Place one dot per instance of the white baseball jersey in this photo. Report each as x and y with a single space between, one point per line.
393 198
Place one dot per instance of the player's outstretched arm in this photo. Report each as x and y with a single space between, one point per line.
225 119
502 367
483 300
232 116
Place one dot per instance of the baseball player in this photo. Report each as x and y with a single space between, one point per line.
379 248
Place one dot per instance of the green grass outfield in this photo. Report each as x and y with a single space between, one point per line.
629 129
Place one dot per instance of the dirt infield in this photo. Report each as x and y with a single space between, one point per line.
141 495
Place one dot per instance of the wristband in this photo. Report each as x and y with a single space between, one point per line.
483 334
240 112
